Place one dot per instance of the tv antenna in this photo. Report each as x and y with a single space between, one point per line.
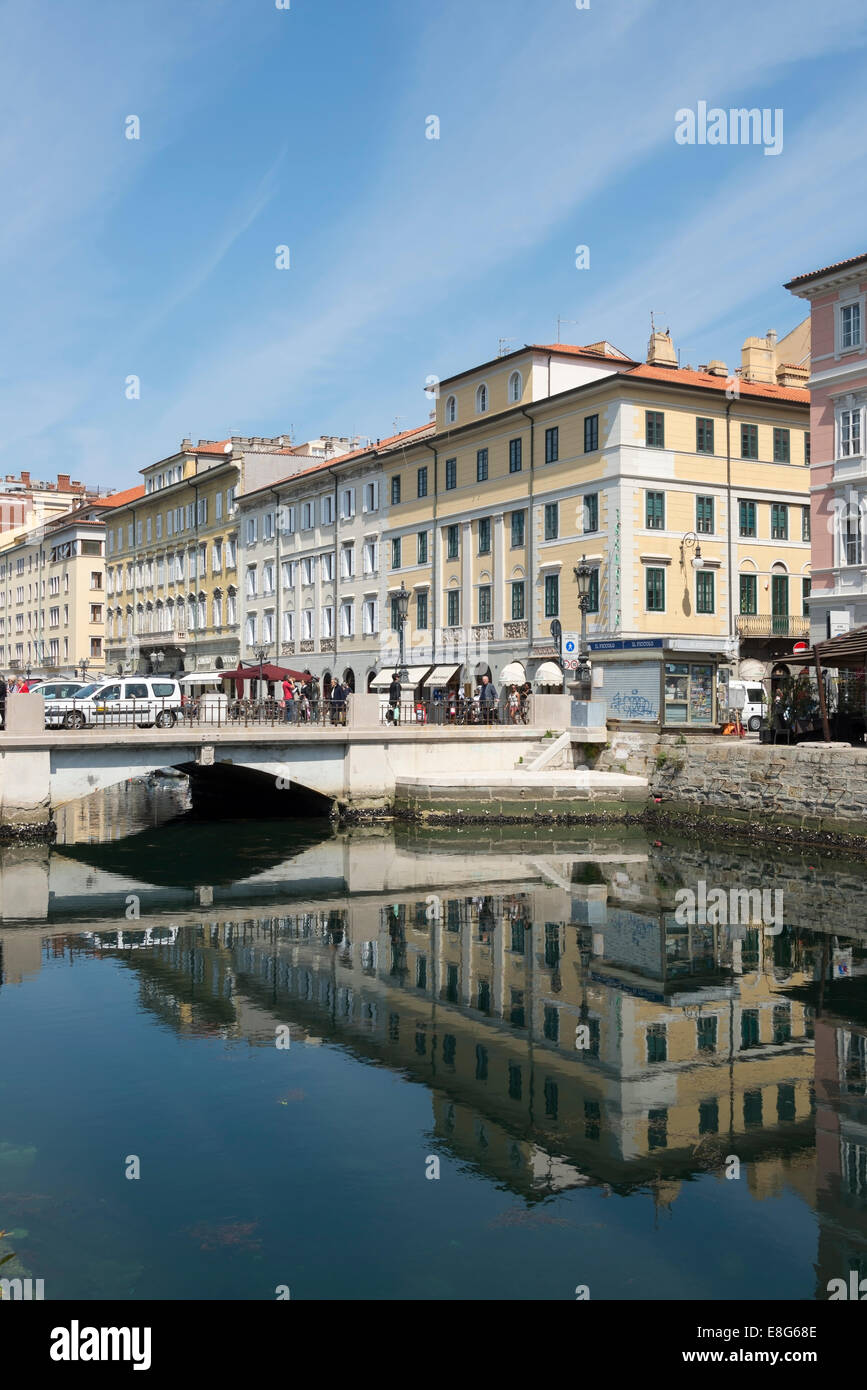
502 348
560 320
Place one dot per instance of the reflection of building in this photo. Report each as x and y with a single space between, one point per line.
567 1036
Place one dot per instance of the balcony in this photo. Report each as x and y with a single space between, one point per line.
773 625
172 635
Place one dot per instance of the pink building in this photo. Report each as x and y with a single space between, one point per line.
838 468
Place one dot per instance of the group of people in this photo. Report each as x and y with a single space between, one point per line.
481 708
303 699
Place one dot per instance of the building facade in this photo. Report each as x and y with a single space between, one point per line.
838 386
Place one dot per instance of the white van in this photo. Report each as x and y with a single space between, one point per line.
134 701
753 710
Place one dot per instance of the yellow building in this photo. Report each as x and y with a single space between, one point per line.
52 592
685 491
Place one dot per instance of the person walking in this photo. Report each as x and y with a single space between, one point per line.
487 700
339 693
2 702
514 704
394 694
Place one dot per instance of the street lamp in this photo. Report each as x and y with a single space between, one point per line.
583 575
261 653
402 614
691 541
157 660
84 663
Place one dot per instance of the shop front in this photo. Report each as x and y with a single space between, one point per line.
657 682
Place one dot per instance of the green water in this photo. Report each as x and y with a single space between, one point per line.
461 1064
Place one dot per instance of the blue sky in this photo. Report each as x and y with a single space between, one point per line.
306 127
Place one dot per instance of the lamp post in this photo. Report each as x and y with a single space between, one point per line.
583 574
157 659
261 653
402 614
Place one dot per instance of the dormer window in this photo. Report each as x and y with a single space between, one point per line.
451 410
481 399
516 387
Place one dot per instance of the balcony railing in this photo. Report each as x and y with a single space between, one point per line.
155 639
773 625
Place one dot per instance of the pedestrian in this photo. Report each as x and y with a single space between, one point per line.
339 693
487 700
394 694
514 704
2 702
289 699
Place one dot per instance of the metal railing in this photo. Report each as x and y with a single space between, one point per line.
772 625
196 713
460 712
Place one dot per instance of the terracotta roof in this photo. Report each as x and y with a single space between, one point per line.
600 349
680 376
208 446
826 270
120 499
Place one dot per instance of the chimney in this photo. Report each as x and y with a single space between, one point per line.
759 358
717 368
63 480
660 350
25 478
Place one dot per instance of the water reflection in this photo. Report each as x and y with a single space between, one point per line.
571 1032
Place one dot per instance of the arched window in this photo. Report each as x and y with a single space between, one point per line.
481 399
451 410
516 387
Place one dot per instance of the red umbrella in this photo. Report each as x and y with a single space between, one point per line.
266 672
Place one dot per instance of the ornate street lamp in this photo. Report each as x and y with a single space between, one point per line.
583 575
84 663
691 541
157 660
261 654
402 614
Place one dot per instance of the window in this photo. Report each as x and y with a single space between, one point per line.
347 619
481 465
217 614
306 516
517 520
704 515
451 474
371 496
516 387
327 511
779 521
326 566
451 410
593 591
552 445
852 538
518 602
452 542
370 617
748 593
551 1023
159 525
704 591
657 1042
307 624
453 608
591 511
749 1028
421 480
148 530
421 610
395 490
347 561
421 548
805 597
703 436
552 521
347 503
327 621
231 553
250 630
252 582
805 523
371 557
654 429
655 511
552 595
850 433
591 433
747 518
806 446
268 526
307 569
484 535
655 590
749 441
481 399
395 552
268 577
850 326
782 446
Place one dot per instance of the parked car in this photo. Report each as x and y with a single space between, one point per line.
61 690
57 709
752 713
140 700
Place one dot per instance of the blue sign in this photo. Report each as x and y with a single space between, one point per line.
629 644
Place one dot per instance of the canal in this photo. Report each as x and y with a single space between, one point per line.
239 1057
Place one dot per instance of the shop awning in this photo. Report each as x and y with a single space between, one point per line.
203 677
549 673
441 675
513 674
382 680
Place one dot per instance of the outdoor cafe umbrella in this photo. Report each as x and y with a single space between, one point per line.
265 672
